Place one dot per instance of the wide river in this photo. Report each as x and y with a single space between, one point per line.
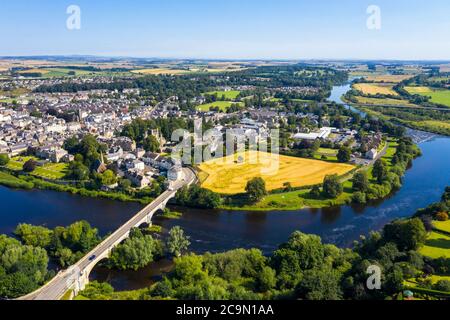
220 230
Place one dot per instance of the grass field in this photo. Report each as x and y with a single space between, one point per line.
387 101
223 105
375 88
229 176
388 78
229 95
53 171
442 226
441 96
436 246
328 154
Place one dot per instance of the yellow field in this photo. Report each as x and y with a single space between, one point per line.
375 88
389 78
230 175
43 71
158 71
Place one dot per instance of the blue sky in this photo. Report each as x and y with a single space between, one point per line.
237 29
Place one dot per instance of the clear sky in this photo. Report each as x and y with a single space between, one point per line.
237 29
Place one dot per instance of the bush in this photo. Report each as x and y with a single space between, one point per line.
442 216
359 197
4 159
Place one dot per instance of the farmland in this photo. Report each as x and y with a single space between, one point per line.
230 175
160 71
440 96
375 88
388 78
384 101
443 226
436 246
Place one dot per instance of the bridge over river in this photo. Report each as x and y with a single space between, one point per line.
76 277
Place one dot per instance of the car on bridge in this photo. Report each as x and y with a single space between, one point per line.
92 258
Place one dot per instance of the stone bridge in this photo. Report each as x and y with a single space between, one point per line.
75 278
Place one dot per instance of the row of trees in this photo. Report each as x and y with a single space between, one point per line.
301 268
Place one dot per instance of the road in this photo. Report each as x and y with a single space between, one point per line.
66 280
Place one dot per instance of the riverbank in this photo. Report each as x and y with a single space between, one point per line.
27 182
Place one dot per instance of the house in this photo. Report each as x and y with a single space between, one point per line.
114 154
372 154
322 134
135 164
138 179
126 144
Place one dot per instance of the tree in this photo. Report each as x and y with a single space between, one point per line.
4 159
29 166
380 170
256 189
320 284
151 144
108 178
406 234
22 268
136 252
77 171
332 188
315 192
360 181
177 242
35 236
266 279
344 154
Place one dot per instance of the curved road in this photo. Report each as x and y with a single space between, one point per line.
67 279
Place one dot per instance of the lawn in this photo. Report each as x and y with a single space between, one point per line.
442 226
53 171
229 95
223 105
230 175
436 246
440 96
326 154
376 88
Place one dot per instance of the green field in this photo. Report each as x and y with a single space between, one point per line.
442 226
384 102
223 105
10 181
436 246
440 96
53 171
229 95
326 154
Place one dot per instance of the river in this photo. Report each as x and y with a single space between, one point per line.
222 230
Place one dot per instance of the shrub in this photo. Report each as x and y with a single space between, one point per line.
359 197
442 216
